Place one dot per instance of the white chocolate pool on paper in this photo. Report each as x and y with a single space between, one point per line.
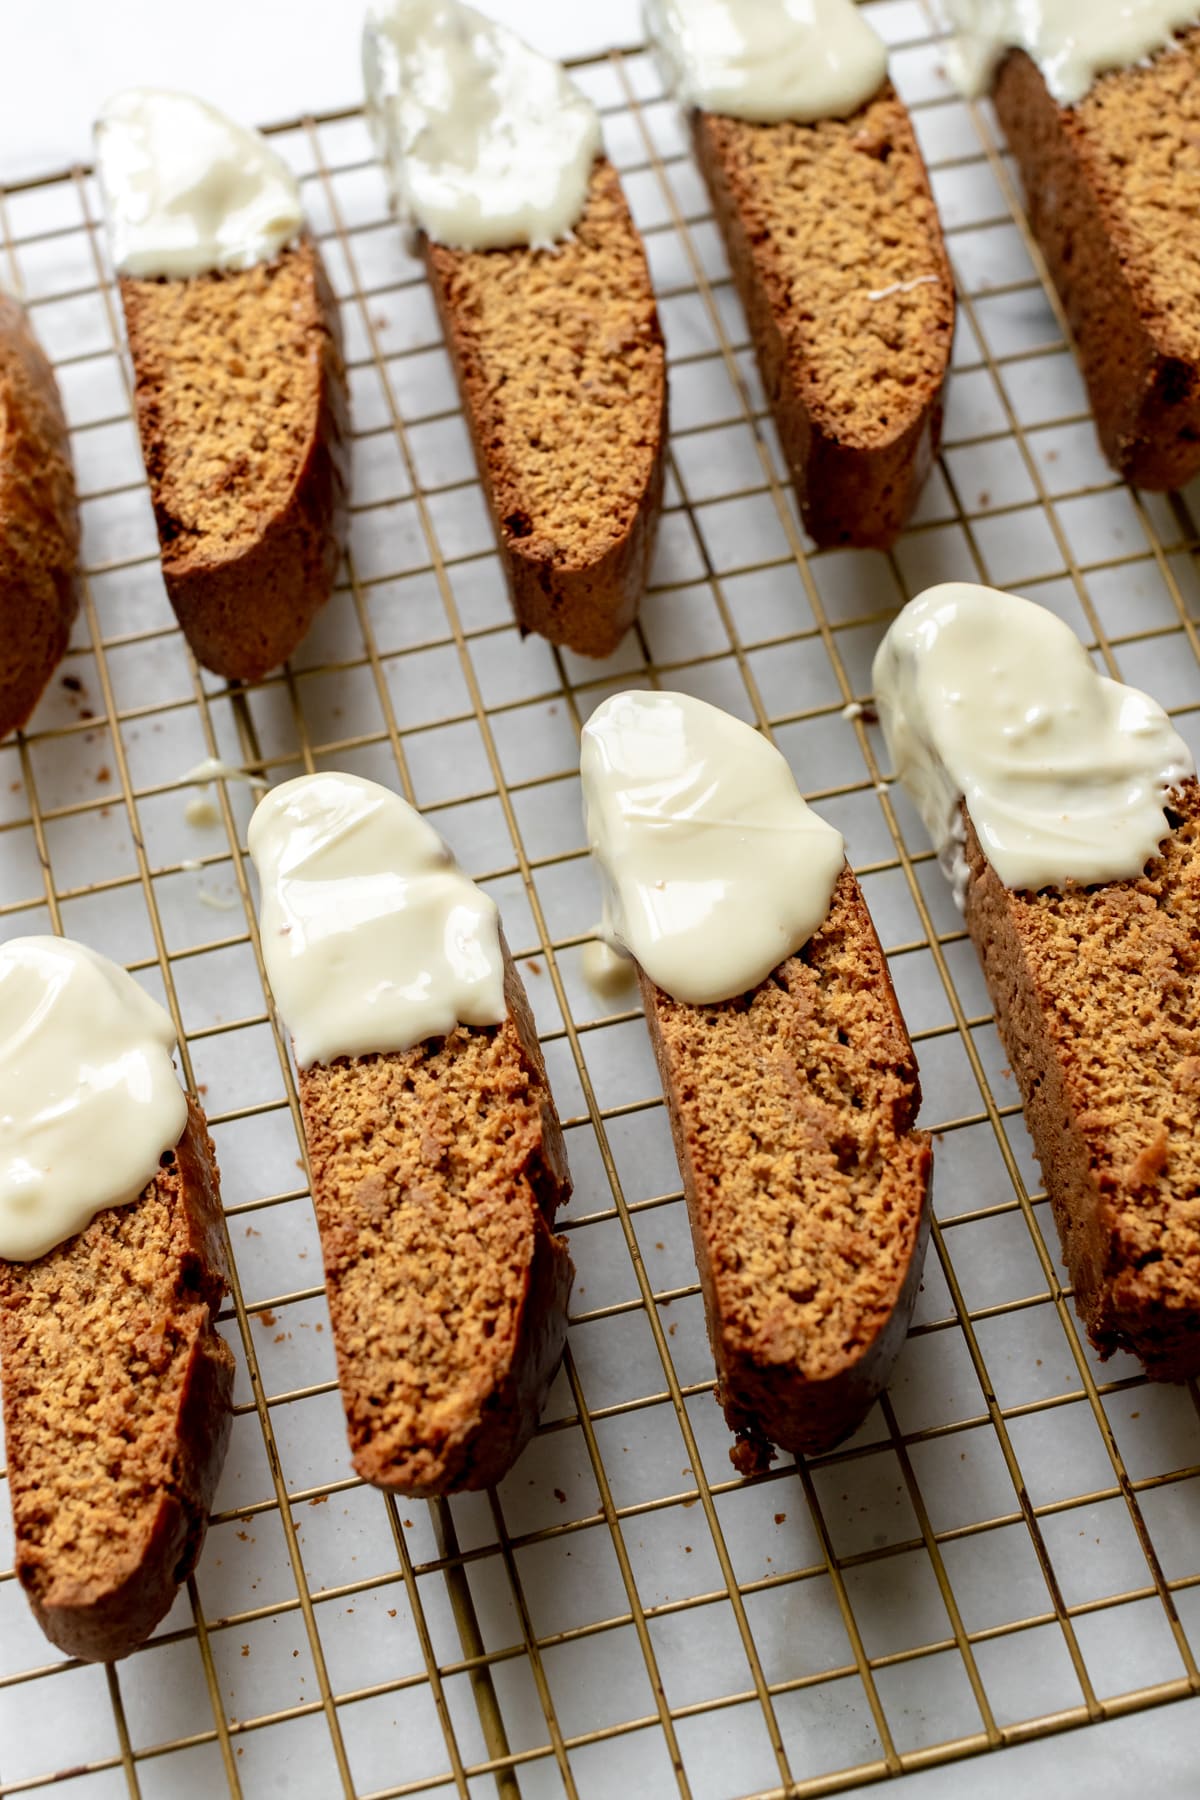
714 869
767 60
89 1097
188 190
373 937
487 144
991 699
1071 41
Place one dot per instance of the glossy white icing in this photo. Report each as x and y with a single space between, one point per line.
994 700
714 869
373 937
89 1097
487 144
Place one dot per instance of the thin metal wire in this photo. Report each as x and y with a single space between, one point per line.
1169 532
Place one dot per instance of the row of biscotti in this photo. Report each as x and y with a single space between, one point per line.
437 1162
1063 804
544 293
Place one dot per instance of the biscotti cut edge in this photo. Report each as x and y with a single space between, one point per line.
1143 381
770 1402
244 611
113 1611
578 590
39 521
1112 1260
851 491
474 1450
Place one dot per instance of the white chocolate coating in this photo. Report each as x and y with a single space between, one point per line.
487 144
767 60
991 699
373 937
89 1097
187 190
714 869
1071 41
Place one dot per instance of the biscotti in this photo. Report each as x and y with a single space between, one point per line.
1097 998
820 193
435 1152
494 158
793 1110
788 1075
117 1391
240 388
1110 186
836 249
1084 909
436 1175
560 362
39 521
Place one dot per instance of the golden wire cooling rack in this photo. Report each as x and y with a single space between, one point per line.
1007 1549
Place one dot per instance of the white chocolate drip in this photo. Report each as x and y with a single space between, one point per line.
991 699
486 143
1072 42
373 937
89 1098
714 868
187 190
767 60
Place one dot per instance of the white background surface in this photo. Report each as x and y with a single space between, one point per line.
259 59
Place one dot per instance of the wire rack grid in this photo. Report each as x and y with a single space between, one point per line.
1005 1549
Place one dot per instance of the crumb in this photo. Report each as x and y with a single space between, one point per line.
320 1500
692 1500
1052 456
534 967
1136 1415
72 684
983 498
408 1524
780 1517
103 774
281 1337
673 1328
203 1088
391 1612
267 1317
250 1231
244 1536
14 787
300 1164
852 710
245 1649
660 1246
687 1549
85 712
560 1496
